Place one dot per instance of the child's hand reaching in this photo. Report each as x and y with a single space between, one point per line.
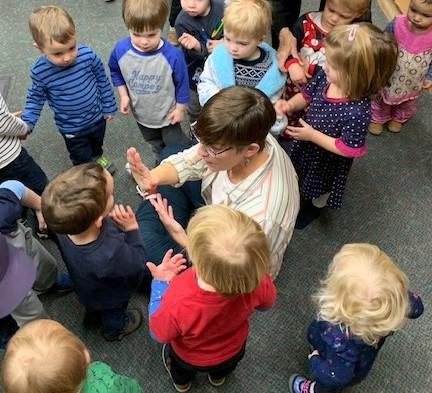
125 217
188 41
282 106
313 353
124 104
169 267
303 133
297 74
427 85
41 220
108 117
166 215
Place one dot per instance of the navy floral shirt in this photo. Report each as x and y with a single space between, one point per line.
344 359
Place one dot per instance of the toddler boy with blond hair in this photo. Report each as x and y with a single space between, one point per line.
45 357
71 77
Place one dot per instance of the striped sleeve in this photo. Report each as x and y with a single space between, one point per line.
36 97
106 95
10 125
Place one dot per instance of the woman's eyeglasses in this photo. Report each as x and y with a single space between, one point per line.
208 149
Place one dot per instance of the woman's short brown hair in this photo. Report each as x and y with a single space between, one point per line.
229 249
236 116
75 198
364 56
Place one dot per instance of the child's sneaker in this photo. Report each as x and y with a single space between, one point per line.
42 233
134 322
167 364
394 126
299 384
279 125
105 163
376 128
216 382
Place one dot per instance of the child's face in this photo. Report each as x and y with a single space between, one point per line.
335 14
60 54
147 40
110 189
419 15
195 7
241 48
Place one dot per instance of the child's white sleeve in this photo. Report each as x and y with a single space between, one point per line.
208 84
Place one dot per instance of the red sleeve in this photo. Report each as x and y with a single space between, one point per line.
266 293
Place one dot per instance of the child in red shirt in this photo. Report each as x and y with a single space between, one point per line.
202 314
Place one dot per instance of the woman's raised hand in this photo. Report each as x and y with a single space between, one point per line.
140 172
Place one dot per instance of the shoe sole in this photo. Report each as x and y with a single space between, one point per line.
216 384
291 381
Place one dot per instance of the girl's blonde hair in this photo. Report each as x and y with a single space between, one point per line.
44 357
365 292
249 19
364 56
229 250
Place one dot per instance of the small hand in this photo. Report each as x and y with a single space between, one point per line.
23 137
212 43
303 133
282 106
108 117
124 104
297 74
176 116
188 41
17 114
313 353
427 85
166 215
139 171
169 267
125 217
41 221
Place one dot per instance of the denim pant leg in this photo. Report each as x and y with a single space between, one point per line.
114 320
8 327
86 144
96 138
25 169
174 135
153 136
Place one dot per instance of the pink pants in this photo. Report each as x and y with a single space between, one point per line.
382 112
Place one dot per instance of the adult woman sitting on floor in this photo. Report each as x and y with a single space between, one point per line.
237 164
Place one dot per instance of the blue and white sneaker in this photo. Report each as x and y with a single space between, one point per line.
299 384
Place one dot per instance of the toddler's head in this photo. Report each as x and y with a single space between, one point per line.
228 249
246 22
44 357
145 20
342 12
361 57
365 292
78 198
53 32
196 7
420 15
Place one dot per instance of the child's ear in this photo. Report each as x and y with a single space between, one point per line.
98 221
87 356
252 149
37 47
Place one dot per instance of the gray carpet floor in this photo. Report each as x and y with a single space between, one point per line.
388 203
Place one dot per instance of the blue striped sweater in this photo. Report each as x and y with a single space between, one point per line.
79 94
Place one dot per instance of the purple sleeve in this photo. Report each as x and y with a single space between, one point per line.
310 89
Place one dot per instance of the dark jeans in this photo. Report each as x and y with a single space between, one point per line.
85 145
182 372
25 169
8 327
184 200
284 13
113 320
